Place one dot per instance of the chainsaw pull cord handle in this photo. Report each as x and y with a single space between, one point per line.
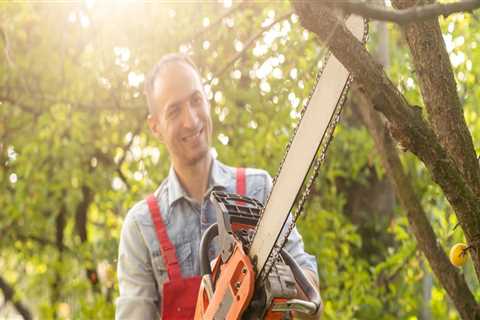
301 279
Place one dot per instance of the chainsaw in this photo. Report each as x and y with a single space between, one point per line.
254 277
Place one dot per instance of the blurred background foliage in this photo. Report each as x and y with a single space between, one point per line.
75 151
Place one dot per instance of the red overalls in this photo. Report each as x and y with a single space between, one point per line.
179 294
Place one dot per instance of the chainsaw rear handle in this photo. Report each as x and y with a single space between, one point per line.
314 302
309 307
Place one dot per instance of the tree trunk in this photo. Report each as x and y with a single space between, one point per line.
405 122
453 282
81 219
439 92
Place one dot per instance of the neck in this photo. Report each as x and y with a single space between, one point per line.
194 177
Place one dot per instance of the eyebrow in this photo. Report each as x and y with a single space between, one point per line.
174 104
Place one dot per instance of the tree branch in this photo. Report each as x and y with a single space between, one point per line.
7 47
405 16
60 222
9 295
196 36
453 282
77 106
81 220
125 148
43 242
248 44
384 278
25 108
439 93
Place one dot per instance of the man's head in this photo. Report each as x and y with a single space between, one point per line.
179 110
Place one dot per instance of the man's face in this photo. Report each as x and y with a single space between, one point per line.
182 119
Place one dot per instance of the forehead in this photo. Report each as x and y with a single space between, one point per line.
175 81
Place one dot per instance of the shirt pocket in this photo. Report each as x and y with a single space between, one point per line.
184 258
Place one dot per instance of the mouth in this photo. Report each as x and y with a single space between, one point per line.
193 136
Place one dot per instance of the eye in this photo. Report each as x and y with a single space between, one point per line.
173 111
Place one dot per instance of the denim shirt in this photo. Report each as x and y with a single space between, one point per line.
141 269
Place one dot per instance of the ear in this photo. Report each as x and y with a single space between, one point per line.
154 125
209 106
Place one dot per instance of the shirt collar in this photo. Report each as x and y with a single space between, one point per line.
175 189
219 178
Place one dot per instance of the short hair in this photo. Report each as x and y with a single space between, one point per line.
152 75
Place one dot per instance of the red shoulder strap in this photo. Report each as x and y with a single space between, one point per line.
166 247
241 185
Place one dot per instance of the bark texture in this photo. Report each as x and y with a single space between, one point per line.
453 282
406 123
439 92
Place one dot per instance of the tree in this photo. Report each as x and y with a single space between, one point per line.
75 153
444 143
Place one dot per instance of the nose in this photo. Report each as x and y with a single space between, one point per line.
190 116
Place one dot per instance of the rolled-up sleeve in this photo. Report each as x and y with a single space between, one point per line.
294 246
139 296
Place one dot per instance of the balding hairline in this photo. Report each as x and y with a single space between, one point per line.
153 76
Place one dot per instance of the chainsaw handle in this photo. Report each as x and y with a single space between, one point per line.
207 237
314 302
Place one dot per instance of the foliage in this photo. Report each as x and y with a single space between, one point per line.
74 145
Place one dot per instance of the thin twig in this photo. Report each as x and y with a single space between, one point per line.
75 105
201 32
7 47
126 148
248 44
406 261
23 107
404 16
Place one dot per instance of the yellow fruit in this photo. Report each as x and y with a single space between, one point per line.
458 254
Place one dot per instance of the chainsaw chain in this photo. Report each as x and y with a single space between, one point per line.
318 161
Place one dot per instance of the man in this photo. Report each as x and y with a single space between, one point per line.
153 281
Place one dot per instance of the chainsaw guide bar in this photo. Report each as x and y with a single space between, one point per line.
254 277
306 150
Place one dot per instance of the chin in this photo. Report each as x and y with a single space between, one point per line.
196 157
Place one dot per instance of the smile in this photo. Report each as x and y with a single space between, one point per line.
193 136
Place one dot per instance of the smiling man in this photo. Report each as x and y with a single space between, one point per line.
158 262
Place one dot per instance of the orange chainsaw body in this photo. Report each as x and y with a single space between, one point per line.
234 289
